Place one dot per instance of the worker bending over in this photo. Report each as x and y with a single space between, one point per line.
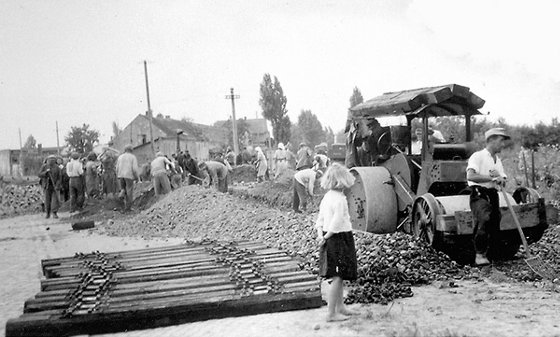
304 183
217 172
158 168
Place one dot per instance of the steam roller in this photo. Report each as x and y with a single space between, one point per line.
422 189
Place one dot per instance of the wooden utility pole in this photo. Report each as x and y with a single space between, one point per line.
57 140
20 143
234 121
149 112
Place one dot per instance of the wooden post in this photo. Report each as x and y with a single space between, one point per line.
425 137
533 168
20 143
149 108
57 140
409 125
525 168
468 136
234 121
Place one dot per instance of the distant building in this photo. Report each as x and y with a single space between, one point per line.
198 139
17 163
257 133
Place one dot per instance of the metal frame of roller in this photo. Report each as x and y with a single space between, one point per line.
425 195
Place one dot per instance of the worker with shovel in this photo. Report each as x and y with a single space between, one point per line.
485 175
51 178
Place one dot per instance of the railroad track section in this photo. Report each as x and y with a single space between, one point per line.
110 292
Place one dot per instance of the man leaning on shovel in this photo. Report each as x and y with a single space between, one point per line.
485 175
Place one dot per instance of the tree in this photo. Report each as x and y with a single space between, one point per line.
356 97
242 127
116 130
30 143
273 104
329 136
340 136
82 139
310 128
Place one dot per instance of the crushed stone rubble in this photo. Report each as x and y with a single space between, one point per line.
20 199
388 264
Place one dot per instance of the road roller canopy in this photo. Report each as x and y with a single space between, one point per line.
445 100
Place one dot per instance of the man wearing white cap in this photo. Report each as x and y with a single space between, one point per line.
485 175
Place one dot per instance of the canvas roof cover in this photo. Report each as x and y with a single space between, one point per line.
445 100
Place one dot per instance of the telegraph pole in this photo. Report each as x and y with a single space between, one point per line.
20 144
234 121
149 108
57 140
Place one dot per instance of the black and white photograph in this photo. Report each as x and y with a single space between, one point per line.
280 168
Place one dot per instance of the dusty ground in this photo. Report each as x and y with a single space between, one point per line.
493 306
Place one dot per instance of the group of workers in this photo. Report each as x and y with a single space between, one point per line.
77 178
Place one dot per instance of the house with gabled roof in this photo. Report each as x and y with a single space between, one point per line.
168 134
257 131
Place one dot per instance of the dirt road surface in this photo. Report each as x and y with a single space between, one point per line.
491 307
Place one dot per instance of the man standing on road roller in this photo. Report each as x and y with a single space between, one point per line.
485 175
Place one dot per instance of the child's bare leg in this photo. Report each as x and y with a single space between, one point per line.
334 299
341 307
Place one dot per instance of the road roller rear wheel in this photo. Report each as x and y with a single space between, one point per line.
424 216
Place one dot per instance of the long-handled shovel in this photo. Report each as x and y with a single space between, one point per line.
536 264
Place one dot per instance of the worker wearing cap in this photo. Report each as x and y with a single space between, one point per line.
75 171
304 184
304 157
127 172
51 178
485 175
158 168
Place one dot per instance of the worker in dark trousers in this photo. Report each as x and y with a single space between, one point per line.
304 184
485 175
51 178
217 172
75 171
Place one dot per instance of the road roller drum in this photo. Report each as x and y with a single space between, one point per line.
372 202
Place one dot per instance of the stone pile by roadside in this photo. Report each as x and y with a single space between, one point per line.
16 199
388 264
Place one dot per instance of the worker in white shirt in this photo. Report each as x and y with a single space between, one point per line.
304 183
485 175
75 171
416 146
158 168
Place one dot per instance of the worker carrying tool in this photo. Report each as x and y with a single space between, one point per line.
217 172
51 181
485 175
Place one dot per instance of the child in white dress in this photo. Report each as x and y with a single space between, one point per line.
337 260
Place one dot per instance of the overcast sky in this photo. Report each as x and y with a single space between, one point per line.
81 61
